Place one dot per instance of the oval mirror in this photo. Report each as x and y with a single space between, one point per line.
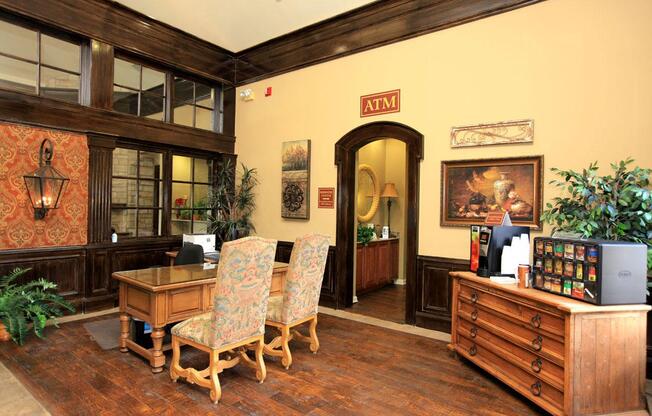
368 193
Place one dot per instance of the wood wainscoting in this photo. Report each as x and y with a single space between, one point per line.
434 291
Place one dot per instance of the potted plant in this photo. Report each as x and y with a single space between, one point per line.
28 305
233 205
612 207
365 234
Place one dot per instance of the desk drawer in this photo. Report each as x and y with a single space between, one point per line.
501 302
184 303
546 346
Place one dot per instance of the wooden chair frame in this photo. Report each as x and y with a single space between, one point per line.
236 353
279 346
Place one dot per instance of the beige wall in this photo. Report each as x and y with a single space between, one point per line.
581 69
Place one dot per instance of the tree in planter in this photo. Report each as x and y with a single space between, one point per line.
612 207
31 303
233 206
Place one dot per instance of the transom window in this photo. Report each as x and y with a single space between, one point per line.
138 90
136 193
194 104
191 184
35 63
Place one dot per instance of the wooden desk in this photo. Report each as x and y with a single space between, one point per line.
165 295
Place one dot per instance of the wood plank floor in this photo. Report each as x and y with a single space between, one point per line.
386 303
360 369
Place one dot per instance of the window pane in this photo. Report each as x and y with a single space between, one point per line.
59 85
123 221
153 81
17 75
151 165
149 223
204 95
123 192
60 53
151 106
125 100
181 195
183 115
125 162
126 73
200 196
200 221
150 194
183 92
181 168
203 170
203 118
18 41
181 221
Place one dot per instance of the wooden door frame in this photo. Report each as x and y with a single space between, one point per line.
345 151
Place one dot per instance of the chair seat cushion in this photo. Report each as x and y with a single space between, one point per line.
275 309
198 329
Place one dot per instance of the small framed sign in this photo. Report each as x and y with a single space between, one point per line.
326 198
380 103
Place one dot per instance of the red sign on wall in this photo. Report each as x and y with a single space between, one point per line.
326 198
380 103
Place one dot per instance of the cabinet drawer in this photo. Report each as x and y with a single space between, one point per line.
546 346
536 366
533 317
528 385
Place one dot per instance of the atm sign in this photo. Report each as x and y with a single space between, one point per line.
380 103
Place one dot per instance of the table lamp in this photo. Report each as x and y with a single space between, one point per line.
389 192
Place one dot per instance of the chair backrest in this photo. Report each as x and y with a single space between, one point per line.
304 277
189 254
244 277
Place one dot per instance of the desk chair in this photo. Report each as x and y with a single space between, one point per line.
189 254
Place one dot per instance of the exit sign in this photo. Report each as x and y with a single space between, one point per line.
380 103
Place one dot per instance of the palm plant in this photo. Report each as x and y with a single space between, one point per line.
233 205
32 303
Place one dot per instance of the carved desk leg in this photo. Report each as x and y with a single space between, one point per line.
124 331
157 360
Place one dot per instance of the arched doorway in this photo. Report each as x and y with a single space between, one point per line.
345 150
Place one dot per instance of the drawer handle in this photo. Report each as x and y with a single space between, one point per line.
473 350
536 321
474 314
536 389
474 297
474 332
536 365
537 343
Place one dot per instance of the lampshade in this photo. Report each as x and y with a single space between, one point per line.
389 191
45 184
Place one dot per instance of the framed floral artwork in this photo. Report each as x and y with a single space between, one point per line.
470 189
295 179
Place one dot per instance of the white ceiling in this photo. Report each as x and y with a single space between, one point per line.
239 24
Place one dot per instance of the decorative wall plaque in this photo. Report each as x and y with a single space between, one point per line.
520 131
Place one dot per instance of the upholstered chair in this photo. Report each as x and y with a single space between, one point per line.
300 299
237 322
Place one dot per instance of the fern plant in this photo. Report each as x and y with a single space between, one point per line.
29 304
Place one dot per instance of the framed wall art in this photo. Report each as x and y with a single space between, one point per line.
508 132
295 179
472 188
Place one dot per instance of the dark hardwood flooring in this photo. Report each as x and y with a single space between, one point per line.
386 303
360 369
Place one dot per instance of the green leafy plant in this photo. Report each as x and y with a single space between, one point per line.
233 204
29 304
612 207
365 234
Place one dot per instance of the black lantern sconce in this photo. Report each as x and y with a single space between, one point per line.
45 184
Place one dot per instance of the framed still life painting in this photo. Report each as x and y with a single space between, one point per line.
470 189
295 179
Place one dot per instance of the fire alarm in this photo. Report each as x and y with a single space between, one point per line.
268 91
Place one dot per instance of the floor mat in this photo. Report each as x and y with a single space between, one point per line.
105 332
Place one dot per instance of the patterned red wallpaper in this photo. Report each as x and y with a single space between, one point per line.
65 226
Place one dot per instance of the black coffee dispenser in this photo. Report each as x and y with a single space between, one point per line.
492 241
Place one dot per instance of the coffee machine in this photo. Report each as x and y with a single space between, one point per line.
489 243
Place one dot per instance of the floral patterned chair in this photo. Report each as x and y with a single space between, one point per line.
298 304
237 321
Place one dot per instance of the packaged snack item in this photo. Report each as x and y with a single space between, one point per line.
578 290
569 251
579 271
593 274
555 284
579 253
559 249
549 249
538 279
567 287
547 282
548 266
592 254
559 267
539 247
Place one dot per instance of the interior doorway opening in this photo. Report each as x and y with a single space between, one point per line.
346 155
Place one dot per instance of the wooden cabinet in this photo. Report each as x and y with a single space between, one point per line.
376 264
568 357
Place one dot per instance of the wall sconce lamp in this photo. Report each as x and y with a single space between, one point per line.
247 94
45 184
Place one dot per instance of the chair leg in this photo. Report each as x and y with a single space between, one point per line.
261 371
175 367
314 341
216 389
285 340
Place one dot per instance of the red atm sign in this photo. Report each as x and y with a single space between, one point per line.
380 103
